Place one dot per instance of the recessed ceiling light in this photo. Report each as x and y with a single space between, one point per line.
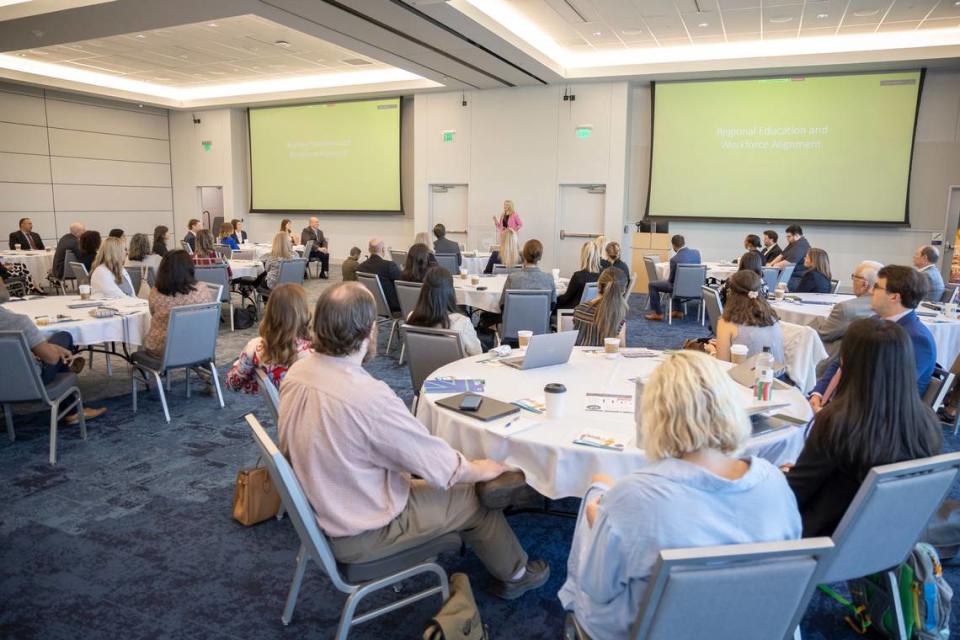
703 24
781 19
598 33
639 32
141 36
212 24
283 44
866 13
821 16
162 79
7 3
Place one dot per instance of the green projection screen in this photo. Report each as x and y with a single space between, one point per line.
332 157
822 148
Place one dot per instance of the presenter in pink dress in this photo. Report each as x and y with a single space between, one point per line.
509 220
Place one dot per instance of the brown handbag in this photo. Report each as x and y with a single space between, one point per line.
254 499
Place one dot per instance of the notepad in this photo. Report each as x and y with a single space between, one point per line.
533 405
510 428
600 440
454 385
609 402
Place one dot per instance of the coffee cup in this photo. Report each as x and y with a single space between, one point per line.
555 395
475 280
42 321
84 291
556 273
463 273
738 353
523 337
16 247
778 294
950 310
611 346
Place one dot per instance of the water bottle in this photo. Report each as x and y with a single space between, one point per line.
763 382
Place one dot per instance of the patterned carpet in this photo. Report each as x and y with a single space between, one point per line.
131 534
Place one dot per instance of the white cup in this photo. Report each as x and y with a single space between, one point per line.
738 353
16 247
611 347
778 294
555 395
556 273
523 337
463 273
84 292
950 310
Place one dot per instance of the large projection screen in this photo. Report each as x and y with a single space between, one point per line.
333 157
831 148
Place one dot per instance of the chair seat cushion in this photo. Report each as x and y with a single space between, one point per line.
147 360
60 384
375 569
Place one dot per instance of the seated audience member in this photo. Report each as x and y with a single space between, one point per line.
925 260
68 242
750 261
606 315
444 245
348 268
692 427
204 255
796 251
530 277
417 263
239 235
424 238
286 226
109 279
589 272
612 252
116 233
832 328
320 253
752 243
816 277
748 319
89 247
280 250
176 286
284 338
869 422
771 250
25 237
437 309
193 226
388 271
139 253
226 237
895 295
509 252
682 255
160 236
396 485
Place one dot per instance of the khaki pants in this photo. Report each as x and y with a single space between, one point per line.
432 512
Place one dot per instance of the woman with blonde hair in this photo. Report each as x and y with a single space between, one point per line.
606 315
108 278
280 250
748 319
424 238
509 252
696 492
509 219
589 272
284 338
816 278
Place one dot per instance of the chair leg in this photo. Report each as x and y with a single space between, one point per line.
216 383
8 418
133 391
894 589
163 396
796 634
186 380
231 315
403 350
295 586
54 410
670 311
346 616
83 420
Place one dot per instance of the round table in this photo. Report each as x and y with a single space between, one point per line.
475 262
717 270
38 263
129 327
245 268
488 299
555 466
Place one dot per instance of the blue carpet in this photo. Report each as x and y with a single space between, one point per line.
131 534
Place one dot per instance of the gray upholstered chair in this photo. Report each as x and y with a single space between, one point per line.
217 274
786 272
448 261
502 270
308 256
399 257
429 350
687 288
137 275
270 395
650 264
292 271
525 310
22 383
356 580
771 276
407 293
80 273
191 342
372 282
224 251
712 306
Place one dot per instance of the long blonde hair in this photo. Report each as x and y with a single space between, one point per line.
610 303
111 256
285 321
508 205
281 249
589 258
509 248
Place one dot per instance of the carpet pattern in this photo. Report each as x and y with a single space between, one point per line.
131 534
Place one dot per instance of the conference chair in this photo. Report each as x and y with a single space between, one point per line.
222 250
771 276
712 306
429 350
949 293
753 591
630 284
372 282
80 273
22 383
565 320
407 293
785 274
270 395
191 342
186 247
943 380
650 264
244 254
137 275
590 291
834 286
524 310
502 270
885 519
687 288
308 254
217 274
357 580
448 261
399 257
292 271
58 281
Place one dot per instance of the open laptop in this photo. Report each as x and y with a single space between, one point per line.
545 350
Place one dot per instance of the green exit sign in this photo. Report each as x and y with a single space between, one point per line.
206 144
447 136
584 131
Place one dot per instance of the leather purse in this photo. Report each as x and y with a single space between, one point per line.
255 499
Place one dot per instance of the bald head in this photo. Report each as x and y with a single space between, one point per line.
314 222
77 229
343 319
375 246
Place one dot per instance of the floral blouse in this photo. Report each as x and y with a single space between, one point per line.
242 376
160 306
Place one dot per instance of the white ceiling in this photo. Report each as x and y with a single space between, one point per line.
10 9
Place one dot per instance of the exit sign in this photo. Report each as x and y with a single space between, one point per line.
206 144
447 136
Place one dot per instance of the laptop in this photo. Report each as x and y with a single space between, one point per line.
544 350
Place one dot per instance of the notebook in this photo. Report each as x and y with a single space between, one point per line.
490 408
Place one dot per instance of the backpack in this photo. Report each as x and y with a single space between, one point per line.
924 595
458 618
243 318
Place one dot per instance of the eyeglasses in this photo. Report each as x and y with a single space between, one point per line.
876 286
854 276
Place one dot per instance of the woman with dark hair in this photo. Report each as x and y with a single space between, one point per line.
89 246
286 226
160 235
606 315
750 261
748 319
139 254
437 308
205 255
176 286
816 278
417 263
612 250
869 421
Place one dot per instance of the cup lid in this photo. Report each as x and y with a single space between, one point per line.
554 387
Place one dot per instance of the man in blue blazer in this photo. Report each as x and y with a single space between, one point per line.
896 294
682 255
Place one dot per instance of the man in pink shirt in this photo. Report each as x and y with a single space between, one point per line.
354 447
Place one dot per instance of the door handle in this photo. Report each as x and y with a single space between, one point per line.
573 234
456 230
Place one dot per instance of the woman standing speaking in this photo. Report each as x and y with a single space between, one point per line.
509 219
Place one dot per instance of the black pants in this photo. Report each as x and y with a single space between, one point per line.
323 258
49 371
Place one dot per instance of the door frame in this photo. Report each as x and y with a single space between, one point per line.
951 223
223 211
558 232
431 219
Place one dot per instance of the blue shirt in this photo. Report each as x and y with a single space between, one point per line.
229 241
670 504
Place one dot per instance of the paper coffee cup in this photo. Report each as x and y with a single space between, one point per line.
463 273
475 280
84 291
523 337
950 310
738 353
778 294
16 247
611 346
555 395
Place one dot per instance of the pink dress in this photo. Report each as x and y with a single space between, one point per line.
514 222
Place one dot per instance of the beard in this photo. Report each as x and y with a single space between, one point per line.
371 345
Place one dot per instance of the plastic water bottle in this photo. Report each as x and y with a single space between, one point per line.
763 382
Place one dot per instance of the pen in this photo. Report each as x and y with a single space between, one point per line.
509 424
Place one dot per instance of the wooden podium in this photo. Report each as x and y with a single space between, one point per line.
647 244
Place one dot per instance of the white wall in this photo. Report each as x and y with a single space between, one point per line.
66 158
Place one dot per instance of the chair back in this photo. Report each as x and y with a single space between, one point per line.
428 350
448 261
296 505
191 335
896 499
630 285
215 274
834 286
80 272
224 251
292 270
399 257
949 293
590 291
150 274
308 248
771 275
372 282
711 299
752 591
931 397
21 382
407 293
502 269
690 278
135 274
270 395
525 310
186 247
68 257
785 274
650 264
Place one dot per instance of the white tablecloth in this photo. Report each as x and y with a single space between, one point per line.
555 466
719 270
804 313
39 263
130 327
477 263
489 299
245 268
263 248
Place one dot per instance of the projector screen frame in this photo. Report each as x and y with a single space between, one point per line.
647 216
332 212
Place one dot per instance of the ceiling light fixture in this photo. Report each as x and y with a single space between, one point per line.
598 33
212 24
283 44
7 3
141 36
866 13
640 32
781 19
821 16
703 24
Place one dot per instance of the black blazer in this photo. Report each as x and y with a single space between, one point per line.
20 238
814 282
68 242
772 254
308 234
240 238
619 264
191 240
443 245
388 272
578 281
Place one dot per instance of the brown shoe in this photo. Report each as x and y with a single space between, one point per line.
508 489
536 575
656 317
77 364
88 414
678 315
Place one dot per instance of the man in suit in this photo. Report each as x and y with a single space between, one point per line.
238 233
771 250
320 251
832 328
193 226
796 251
442 245
388 271
682 255
925 260
69 242
25 237
896 294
